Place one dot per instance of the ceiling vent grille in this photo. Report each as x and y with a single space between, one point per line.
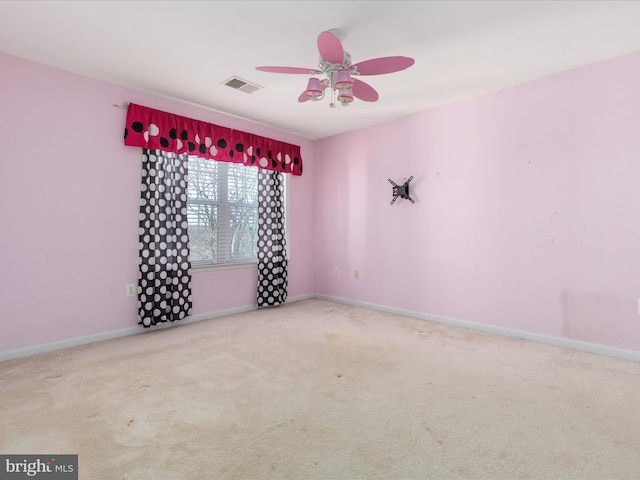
242 85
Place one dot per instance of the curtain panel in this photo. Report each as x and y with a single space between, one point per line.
158 130
164 268
272 251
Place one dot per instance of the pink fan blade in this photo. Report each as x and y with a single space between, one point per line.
330 48
303 71
364 91
378 66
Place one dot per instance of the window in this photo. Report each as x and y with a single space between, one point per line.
222 212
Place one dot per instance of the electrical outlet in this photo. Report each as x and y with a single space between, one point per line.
130 290
356 274
336 271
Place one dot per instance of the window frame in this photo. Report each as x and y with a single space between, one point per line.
205 265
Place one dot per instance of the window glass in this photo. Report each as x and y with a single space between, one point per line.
222 212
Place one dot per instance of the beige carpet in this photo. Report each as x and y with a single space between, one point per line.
319 390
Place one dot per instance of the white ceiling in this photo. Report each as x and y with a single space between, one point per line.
187 49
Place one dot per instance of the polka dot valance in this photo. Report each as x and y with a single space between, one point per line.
158 130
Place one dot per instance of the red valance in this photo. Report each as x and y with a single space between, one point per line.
157 130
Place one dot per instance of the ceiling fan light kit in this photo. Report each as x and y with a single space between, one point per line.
315 88
335 64
343 79
343 85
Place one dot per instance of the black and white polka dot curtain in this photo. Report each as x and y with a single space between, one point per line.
164 276
272 253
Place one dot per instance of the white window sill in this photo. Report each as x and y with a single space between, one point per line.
223 266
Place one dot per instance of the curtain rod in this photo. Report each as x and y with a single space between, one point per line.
124 105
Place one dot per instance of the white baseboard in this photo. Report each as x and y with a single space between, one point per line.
299 298
124 332
506 332
66 343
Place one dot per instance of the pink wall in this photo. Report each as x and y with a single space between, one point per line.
527 212
69 209
526 202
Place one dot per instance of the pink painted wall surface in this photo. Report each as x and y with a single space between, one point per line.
69 208
527 212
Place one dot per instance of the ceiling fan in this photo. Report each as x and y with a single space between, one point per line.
335 64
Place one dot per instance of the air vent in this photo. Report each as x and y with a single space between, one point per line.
242 85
